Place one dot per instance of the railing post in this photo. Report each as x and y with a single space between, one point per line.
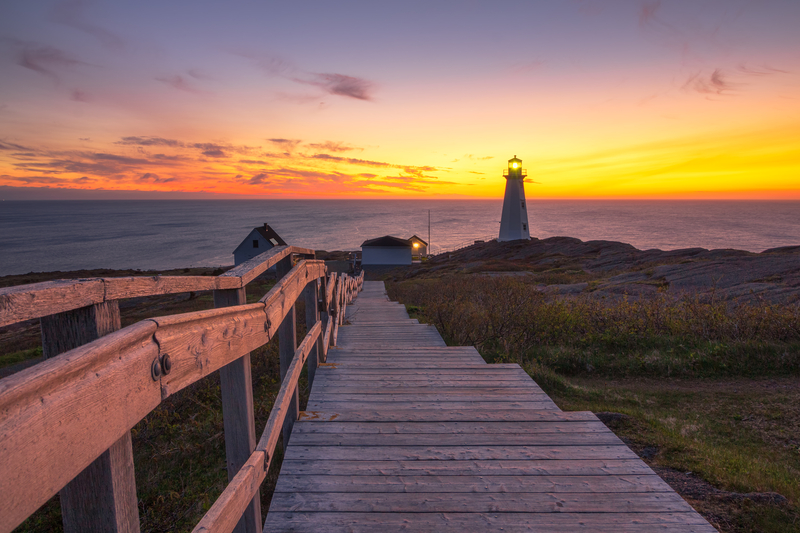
287 345
236 383
103 496
312 317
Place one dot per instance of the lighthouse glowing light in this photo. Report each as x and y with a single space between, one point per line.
514 222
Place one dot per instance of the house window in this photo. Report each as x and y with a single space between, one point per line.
523 204
524 227
255 243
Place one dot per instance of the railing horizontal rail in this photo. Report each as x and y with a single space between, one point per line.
60 415
25 302
224 514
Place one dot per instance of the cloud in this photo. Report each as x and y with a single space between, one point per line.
71 13
331 83
351 160
5 145
259 179
764 70
341 85
48 180
149 141
286 144
331 146
45 60
150 177
714 83
179 82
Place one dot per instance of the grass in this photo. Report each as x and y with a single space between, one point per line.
702 386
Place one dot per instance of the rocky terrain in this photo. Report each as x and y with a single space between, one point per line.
569 266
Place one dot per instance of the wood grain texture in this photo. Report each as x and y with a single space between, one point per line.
283 402
49 413
236 385
295 483
287 346
225 513
103 496
689 522
36 300
252 268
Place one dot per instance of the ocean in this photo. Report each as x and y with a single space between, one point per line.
41 236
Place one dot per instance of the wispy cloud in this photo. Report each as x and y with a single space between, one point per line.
149 141
44 59
331 83
179 82
341 85
287 145
715 83
331 146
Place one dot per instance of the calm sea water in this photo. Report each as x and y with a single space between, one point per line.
39 236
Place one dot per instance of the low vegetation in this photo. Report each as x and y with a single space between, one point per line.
706 391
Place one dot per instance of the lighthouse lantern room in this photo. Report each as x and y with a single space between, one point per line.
514 222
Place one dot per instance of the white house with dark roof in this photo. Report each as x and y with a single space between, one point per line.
386 250
258 241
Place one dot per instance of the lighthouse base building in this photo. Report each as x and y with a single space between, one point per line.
514 222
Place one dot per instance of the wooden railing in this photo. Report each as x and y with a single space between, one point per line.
65 422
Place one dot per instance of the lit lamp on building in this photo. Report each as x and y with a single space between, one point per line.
514 222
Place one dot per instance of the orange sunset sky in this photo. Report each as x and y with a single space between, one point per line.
600 98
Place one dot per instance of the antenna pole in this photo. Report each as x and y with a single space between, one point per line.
429 228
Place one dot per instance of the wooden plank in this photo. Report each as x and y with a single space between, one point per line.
287 339
225 513
49 413
283 402
103 496
438 396
471 484
446 415
252 268
605 438
689 522
236 384
531 502
24 302
502 467
312 317
504 404
137 286
454 428
456 453
328 384
202 342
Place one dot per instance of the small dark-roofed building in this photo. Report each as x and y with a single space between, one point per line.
258 241
419 248
386 250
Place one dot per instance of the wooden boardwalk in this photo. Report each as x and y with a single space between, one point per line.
404 433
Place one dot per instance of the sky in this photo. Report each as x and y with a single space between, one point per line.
667 99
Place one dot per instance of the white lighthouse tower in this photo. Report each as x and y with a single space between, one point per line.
514 223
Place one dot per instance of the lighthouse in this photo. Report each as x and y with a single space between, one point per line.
514 223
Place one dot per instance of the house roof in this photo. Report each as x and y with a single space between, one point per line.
269 233
387 241
420 240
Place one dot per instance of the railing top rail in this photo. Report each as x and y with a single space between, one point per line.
25 302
